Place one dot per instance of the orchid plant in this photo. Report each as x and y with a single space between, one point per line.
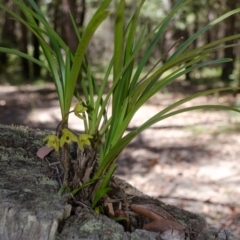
68 136
104 138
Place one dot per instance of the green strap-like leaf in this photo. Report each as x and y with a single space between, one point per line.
103 187
24 55
81 50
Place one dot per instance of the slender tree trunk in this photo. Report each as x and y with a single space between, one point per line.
82 13
68 29
78 13
228 67
8 36
54 12
36 53
8 28
23 46
214 33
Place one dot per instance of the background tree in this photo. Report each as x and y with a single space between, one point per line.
7 33
36 52
23 46
188 22
229 29
78 12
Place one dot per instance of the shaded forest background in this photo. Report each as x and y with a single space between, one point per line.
191 160
184 24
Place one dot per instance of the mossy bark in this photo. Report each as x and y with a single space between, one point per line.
30 207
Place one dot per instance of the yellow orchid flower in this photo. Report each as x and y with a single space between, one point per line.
53 141
67 137
78 109
83 139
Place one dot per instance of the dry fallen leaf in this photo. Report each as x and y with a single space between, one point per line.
44 151
161 220
109 208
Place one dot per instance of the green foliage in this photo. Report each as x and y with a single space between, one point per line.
128 91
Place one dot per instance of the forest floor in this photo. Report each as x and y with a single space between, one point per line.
190 160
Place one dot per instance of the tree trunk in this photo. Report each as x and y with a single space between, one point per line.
36 53
78 12
23 46
30 207
82 13
69 34
8 27
8 36
228 67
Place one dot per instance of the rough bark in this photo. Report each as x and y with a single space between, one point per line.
30 207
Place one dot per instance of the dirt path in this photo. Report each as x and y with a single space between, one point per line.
191 160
